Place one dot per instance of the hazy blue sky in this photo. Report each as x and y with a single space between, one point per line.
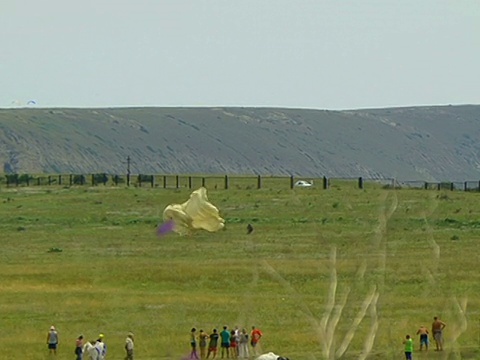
337 54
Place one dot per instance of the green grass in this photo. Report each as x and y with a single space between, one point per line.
366 266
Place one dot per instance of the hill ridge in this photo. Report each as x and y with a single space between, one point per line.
431 143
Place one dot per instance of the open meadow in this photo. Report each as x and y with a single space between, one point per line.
341 273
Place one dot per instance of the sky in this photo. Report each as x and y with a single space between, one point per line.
318 54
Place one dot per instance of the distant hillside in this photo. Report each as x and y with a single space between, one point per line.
419 143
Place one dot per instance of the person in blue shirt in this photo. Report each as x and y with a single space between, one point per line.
225 344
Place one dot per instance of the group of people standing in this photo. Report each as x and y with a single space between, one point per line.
91 350
437 332
234 344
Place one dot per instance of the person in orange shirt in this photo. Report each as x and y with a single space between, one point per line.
255 336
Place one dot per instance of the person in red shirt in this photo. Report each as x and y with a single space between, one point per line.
255 336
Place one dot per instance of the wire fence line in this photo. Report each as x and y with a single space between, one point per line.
225 181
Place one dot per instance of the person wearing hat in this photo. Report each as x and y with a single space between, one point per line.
101 347
52 340
129 346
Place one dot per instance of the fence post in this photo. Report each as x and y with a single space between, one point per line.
425 186
38 181
177 181
226 182
59 179
479 185
93 179
152 181
452 187
28 180
259 182
439 186
360 182
189 182
115 180
128 179
49 180
465 186
325 183
203 181
291 182
164 181
71 179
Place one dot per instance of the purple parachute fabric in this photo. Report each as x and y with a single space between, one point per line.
165 227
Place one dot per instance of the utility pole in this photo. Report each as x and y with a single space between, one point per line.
128 170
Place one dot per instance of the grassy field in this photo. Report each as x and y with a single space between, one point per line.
341 273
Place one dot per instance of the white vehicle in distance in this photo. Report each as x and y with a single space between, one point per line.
303 183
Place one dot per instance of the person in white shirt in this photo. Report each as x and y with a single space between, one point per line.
101 347
129 346
52 340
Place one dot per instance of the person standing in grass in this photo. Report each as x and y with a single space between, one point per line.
90 350
437 331
101 347
243 344
255 336
129 346
408 347
79 347
193 344
233 344
237 334
423 332
225 344
213 344
202 342
52 340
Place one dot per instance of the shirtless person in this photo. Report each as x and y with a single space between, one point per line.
437 331
423 332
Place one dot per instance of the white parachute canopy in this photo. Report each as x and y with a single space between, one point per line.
194 214
270 356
